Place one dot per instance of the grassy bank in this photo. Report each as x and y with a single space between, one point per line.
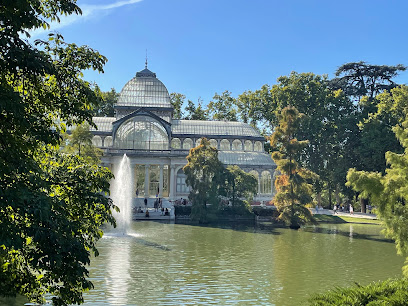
344 219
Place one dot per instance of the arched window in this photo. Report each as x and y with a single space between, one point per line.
176 143
141 132
256 175
108 141
198 142
237 145
266 182
258 146
187 144
181 186
97 141
225 145
214 143
248 145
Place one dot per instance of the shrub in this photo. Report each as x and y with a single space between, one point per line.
182 210
389 292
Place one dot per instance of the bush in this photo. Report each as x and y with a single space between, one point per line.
264 212
389 292
182 210
240 210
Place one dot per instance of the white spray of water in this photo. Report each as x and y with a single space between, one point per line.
122 195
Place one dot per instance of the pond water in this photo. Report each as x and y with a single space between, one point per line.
176 264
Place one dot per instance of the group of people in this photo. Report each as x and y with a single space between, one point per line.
158 205
336 208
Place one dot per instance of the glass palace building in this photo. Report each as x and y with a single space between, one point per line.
157 145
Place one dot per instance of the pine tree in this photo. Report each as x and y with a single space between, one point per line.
389 192
293 184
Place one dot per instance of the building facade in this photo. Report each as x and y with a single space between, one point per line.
157 145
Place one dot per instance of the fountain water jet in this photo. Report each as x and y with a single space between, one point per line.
122 195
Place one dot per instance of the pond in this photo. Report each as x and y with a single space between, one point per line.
180 264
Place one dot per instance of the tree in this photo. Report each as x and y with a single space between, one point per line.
239 185
388 192
177 101
195 112
358 79
256 108
51 205
204 174
329 123
292 185
80 142
107 102
222 107
50 225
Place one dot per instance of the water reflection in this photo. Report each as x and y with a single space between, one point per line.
177 264
117 277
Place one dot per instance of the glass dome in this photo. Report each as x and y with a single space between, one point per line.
144 90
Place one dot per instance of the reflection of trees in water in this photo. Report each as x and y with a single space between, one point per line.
351 233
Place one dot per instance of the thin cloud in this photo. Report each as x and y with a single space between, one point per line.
88 11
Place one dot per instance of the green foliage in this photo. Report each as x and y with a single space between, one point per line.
195 112
80 142
293 188
222 107
108 99
177 101
238 185
204 174
50 225
51 205
388 192
257 108
389 292
358 79
264 212
212 184
181 210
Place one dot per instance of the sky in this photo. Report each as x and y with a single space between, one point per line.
202 47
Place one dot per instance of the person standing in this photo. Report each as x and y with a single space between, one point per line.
145 203
351 210
334 209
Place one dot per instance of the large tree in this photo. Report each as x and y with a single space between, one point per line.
80 142
388 192
222 107
293 186
256 108
239 185
108 99
359 79
51 205
329 123
196 112
177 101
204 174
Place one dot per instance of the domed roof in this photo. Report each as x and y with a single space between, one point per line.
144 90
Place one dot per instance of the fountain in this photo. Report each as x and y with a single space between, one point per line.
122 195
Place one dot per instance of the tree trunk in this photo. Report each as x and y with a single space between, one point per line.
337 195
330 197
319 199
363 203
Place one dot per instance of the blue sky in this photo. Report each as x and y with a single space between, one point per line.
199 47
